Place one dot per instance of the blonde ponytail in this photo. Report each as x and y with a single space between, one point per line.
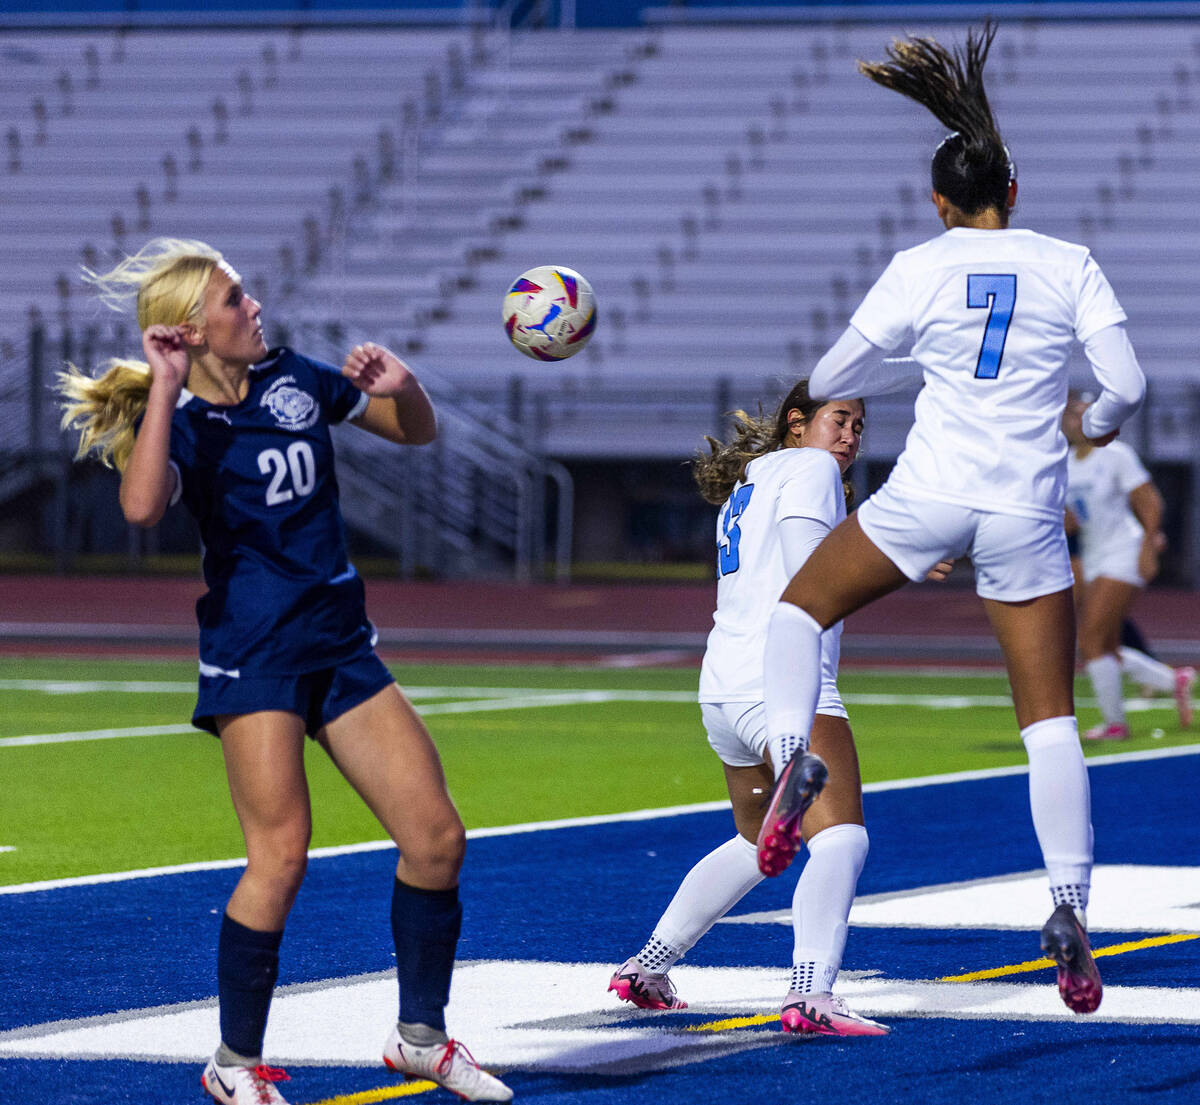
165 281
105 409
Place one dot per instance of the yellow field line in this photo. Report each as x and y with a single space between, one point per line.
368 1097
384 1093
732 1022
1039 964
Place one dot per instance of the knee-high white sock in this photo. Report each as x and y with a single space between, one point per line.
1061 802
1105 674
821 906
708 891
791 680
1146 670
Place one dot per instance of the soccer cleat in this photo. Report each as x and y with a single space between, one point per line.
450 1065
799 783
825 1015
1184 678
243 1085
1064 940
1107 732
634 984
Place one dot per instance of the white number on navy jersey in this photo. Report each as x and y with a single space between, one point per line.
299 464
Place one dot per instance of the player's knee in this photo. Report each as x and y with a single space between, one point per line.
281 859
440 849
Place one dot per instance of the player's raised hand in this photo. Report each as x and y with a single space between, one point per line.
376 370
166 353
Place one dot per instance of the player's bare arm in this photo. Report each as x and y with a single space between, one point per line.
400 409
148 482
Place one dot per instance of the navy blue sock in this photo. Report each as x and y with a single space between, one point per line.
1131 637
247 966
425 926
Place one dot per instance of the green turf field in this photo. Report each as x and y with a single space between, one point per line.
519 744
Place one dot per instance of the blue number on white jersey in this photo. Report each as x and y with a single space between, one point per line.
727 549
999 294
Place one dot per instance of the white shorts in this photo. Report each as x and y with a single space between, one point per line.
737 731
1118 561
1015 558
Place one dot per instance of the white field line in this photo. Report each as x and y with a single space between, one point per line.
575 822
518 701
164 686
469 700
96 735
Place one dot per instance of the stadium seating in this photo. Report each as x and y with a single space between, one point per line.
729 192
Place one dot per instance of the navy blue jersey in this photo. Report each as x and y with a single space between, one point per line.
258 476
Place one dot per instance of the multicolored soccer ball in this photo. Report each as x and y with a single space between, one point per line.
549 313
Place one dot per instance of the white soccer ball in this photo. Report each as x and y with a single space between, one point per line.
549 313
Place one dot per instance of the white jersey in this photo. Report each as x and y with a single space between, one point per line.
1098 491
992 315
751 574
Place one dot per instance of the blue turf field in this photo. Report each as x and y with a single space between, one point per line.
589 894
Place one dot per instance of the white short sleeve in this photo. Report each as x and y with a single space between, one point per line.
884 317
1130 472
812 488
1096 304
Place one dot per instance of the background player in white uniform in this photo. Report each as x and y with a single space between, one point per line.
1114 507
991 314
242 434
779 484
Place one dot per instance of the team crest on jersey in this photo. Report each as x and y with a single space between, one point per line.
293 409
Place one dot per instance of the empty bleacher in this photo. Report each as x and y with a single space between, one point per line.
730 193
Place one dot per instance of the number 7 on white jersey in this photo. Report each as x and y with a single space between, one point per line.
999 294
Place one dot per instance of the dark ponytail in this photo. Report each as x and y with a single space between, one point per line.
971 167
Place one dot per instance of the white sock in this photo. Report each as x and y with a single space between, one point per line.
708 891
791 681
1061 803
1146 670
821 905
1105 674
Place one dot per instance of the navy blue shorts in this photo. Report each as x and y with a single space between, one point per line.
316 696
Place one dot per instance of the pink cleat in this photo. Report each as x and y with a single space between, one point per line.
798 785
1106 732
1184 678
1064 940
634 984
825 1015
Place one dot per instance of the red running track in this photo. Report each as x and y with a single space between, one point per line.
41 614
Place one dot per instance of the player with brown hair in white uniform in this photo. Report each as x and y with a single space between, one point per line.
1116 511
779 484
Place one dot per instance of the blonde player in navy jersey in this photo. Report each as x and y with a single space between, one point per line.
1116 511
779 483
241 434
991 314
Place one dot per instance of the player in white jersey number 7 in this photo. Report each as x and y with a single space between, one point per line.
992 313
